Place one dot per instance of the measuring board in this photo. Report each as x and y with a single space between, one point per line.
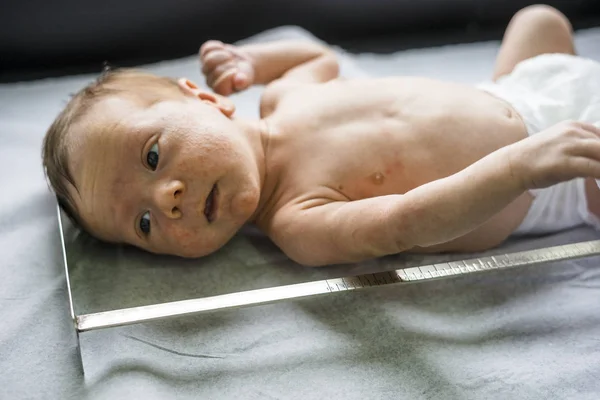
134 315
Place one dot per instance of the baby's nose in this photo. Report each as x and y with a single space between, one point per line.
167 198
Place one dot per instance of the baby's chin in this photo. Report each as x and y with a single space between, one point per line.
193 254
199 250
185 253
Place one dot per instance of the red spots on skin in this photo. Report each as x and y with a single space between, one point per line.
394 167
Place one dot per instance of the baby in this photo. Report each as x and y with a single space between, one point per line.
336 171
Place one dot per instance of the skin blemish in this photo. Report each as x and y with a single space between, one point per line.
395 167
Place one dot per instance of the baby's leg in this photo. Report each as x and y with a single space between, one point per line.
533 31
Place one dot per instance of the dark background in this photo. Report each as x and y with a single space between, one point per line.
40 38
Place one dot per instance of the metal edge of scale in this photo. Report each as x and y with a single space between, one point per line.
133 315
69 292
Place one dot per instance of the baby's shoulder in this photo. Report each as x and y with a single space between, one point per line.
279 89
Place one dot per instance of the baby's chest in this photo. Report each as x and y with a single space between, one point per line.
350 164
367 148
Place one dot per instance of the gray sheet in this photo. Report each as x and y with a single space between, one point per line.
531 333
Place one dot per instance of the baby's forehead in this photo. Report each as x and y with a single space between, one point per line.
103 122
133 109
111 109
112 113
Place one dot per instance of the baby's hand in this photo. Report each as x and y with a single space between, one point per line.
560 153
227 68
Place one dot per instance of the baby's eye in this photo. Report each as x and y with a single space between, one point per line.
152 157
145 223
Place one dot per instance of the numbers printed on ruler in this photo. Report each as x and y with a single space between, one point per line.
440 270
363 281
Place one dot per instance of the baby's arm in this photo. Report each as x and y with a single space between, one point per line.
441 210
229 68
434 213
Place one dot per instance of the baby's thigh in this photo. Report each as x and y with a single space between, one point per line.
533 31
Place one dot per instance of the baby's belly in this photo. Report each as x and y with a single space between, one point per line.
468 130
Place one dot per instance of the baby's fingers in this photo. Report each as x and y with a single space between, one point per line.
241 81
210 46
591 127
583 127
584 167
588 147
224 83
221 70
214 59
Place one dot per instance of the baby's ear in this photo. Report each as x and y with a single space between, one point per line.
189 88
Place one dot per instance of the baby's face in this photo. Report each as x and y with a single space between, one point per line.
176 178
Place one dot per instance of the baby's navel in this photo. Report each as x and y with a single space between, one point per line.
377 178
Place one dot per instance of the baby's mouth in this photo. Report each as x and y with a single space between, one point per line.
210 207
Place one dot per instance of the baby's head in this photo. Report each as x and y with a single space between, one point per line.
156 163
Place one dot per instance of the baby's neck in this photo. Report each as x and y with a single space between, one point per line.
258 133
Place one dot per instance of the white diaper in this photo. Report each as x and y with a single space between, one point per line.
546 90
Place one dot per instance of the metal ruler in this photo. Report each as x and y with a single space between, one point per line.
134 315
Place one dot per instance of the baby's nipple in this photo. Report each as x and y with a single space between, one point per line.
377 178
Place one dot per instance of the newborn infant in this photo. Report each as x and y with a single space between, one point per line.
335 170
